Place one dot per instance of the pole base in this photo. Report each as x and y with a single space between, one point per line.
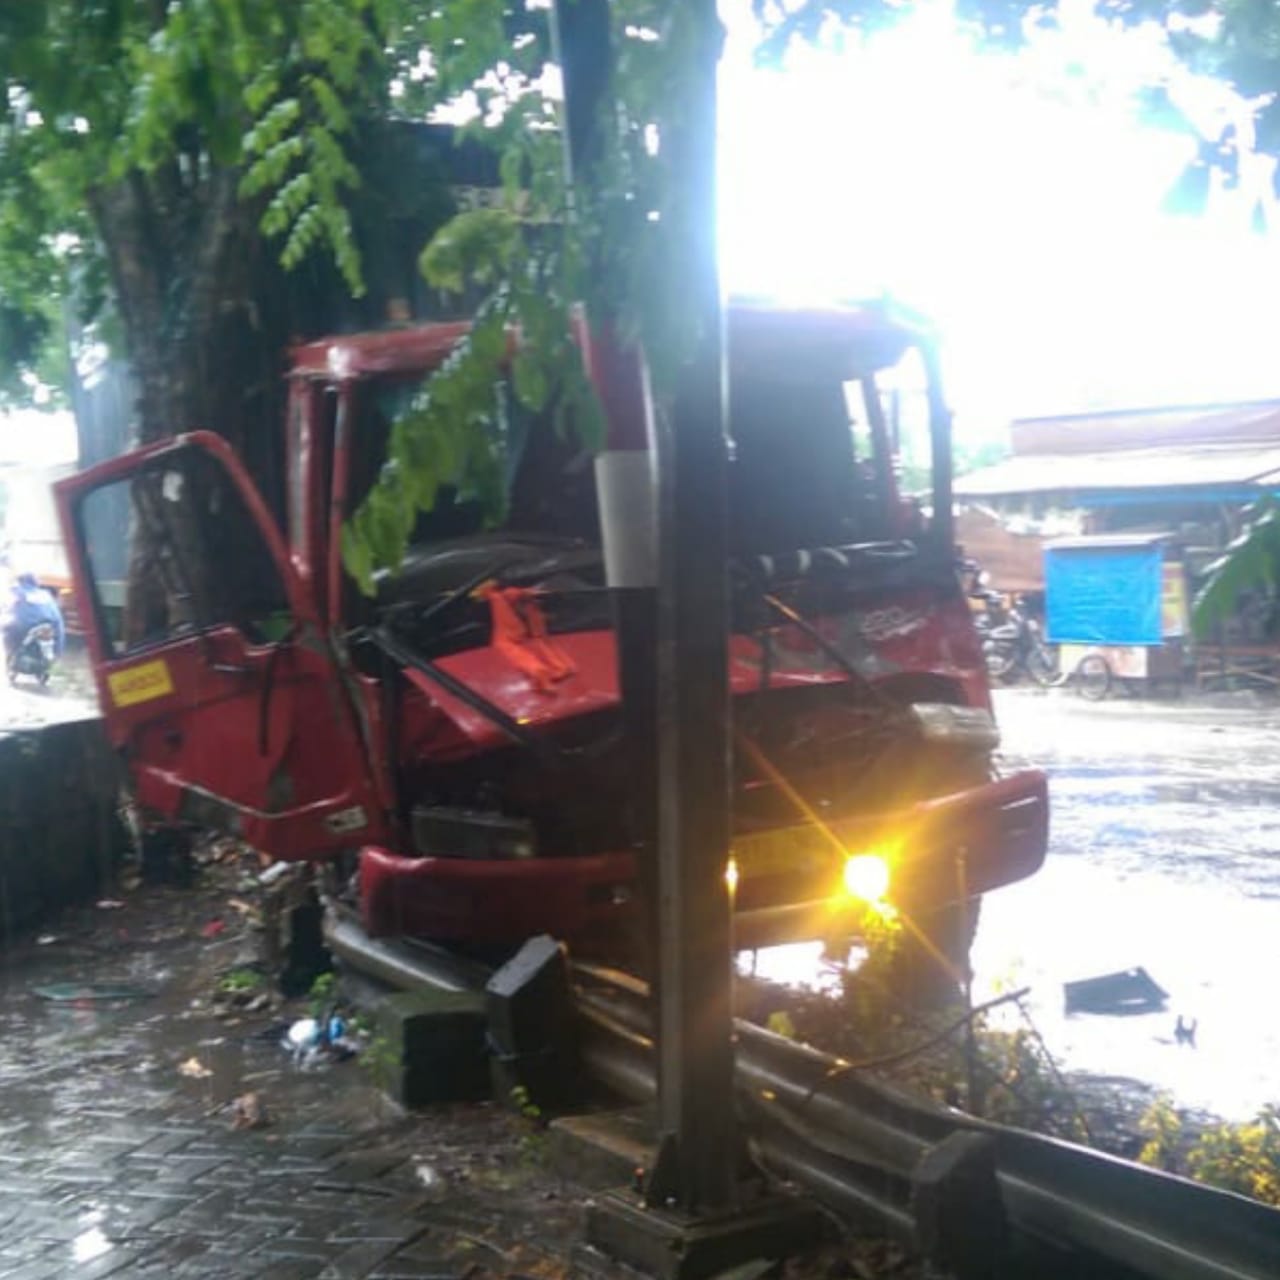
670 1245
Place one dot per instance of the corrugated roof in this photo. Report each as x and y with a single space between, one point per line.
1255 422
1108 541
1126 469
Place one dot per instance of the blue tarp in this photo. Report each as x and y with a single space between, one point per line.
1103 595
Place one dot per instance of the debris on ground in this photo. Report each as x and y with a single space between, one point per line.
214 928
243 990
277 871
318 1041
854 1258
77 992
215 849
1128 991
194 1069
74 1120
248 1111
251 913
109 904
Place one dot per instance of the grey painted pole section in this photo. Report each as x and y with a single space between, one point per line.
690 640
695 1065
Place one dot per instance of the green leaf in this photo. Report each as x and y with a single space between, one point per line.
1250 563
357 557
476 246
531 382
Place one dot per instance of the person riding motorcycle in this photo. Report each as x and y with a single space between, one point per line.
30 604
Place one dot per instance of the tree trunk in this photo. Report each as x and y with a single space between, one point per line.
194 283
185 265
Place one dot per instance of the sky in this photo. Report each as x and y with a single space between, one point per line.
34 438
1016 201
1018 204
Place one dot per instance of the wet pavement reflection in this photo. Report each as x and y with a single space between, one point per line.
1165 853
120 1154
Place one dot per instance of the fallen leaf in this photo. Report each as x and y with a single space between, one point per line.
194 1069
249 1112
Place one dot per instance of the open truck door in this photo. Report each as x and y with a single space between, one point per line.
216 681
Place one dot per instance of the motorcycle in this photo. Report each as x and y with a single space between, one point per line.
1012 641
36 654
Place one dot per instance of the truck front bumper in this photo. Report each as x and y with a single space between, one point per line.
791 887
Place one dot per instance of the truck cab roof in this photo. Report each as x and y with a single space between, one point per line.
856 339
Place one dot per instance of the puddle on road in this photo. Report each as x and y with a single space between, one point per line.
62 1057
1077 922
1208 945
89 1245
801 964
1164 853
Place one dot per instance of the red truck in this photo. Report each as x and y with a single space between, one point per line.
457 739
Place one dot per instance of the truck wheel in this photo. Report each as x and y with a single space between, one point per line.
931 964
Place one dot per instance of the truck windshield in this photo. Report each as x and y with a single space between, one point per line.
816 461
548 480
828 462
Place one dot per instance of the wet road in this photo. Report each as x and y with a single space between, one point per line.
119 1157
1165 853
69 695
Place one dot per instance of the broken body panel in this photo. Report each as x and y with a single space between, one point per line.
462 730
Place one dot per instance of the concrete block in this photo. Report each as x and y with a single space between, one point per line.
529 1010
958 1209
429 1046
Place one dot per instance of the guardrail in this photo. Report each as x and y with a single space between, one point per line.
858 1144
873 1153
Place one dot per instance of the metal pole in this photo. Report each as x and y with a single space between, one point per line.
695 1067
686 623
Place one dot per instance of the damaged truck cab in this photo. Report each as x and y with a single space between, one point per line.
459 736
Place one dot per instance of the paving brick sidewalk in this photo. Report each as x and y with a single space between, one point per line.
118 1156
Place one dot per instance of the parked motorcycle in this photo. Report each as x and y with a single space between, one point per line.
36 654
1013 642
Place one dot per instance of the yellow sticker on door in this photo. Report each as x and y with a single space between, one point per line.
140 684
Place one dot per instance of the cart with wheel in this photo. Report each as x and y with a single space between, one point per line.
1116 607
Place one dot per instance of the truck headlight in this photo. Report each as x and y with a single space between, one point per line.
947 725
442 832
731 876
866 877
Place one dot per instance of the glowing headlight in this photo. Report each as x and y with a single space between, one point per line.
866 877
731 876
